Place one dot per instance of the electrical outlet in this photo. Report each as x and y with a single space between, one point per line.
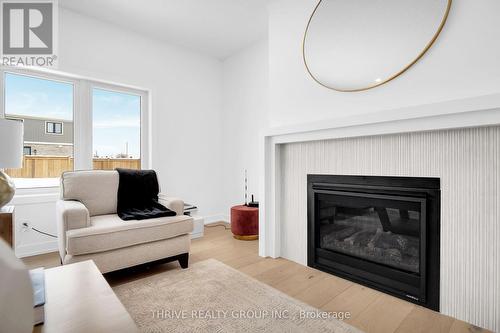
25 226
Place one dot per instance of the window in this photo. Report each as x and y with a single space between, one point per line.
38 101
74 123
116 130
53 128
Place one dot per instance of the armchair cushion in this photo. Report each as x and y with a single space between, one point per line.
109 232
96 189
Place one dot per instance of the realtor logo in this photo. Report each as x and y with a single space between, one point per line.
27 28
28 33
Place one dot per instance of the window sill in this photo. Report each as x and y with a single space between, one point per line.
27 183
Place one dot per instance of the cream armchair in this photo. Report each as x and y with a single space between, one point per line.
89 227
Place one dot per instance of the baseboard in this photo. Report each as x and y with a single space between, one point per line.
36 249
216 218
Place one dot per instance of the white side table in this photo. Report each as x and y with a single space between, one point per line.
199 226
198 223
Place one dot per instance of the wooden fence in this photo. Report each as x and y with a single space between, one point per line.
113 163
53 166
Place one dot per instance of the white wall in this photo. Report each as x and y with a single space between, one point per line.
245 94
186 103
462 63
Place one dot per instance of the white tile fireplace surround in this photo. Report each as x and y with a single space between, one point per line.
461 148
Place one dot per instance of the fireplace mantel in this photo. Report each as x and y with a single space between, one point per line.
461 113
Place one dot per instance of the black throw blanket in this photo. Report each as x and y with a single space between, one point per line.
138 195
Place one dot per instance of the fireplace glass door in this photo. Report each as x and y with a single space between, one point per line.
379 228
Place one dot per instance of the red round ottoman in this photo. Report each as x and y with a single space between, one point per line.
245 222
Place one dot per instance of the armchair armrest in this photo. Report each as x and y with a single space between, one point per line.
72 215
69 215
175 204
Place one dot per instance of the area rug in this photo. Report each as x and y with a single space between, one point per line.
213 297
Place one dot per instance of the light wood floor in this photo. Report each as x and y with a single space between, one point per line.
371 311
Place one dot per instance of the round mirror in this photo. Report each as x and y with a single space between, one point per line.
354 45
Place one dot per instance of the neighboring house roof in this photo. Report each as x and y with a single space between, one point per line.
38 118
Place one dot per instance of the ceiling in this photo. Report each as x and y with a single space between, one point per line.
214 27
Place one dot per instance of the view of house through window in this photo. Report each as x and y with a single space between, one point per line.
116 130
46 106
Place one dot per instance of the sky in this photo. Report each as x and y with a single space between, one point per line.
116 116
117 121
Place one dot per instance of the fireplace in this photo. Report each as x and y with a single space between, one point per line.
382 232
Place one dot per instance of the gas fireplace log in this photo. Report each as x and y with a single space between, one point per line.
346 232
359 237
337 233
384 218
373 241
389 240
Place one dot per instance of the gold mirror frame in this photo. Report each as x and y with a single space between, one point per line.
420 55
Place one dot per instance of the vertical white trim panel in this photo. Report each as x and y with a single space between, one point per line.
82 126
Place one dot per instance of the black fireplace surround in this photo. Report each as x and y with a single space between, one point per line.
382 232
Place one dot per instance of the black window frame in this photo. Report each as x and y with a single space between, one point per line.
53 126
